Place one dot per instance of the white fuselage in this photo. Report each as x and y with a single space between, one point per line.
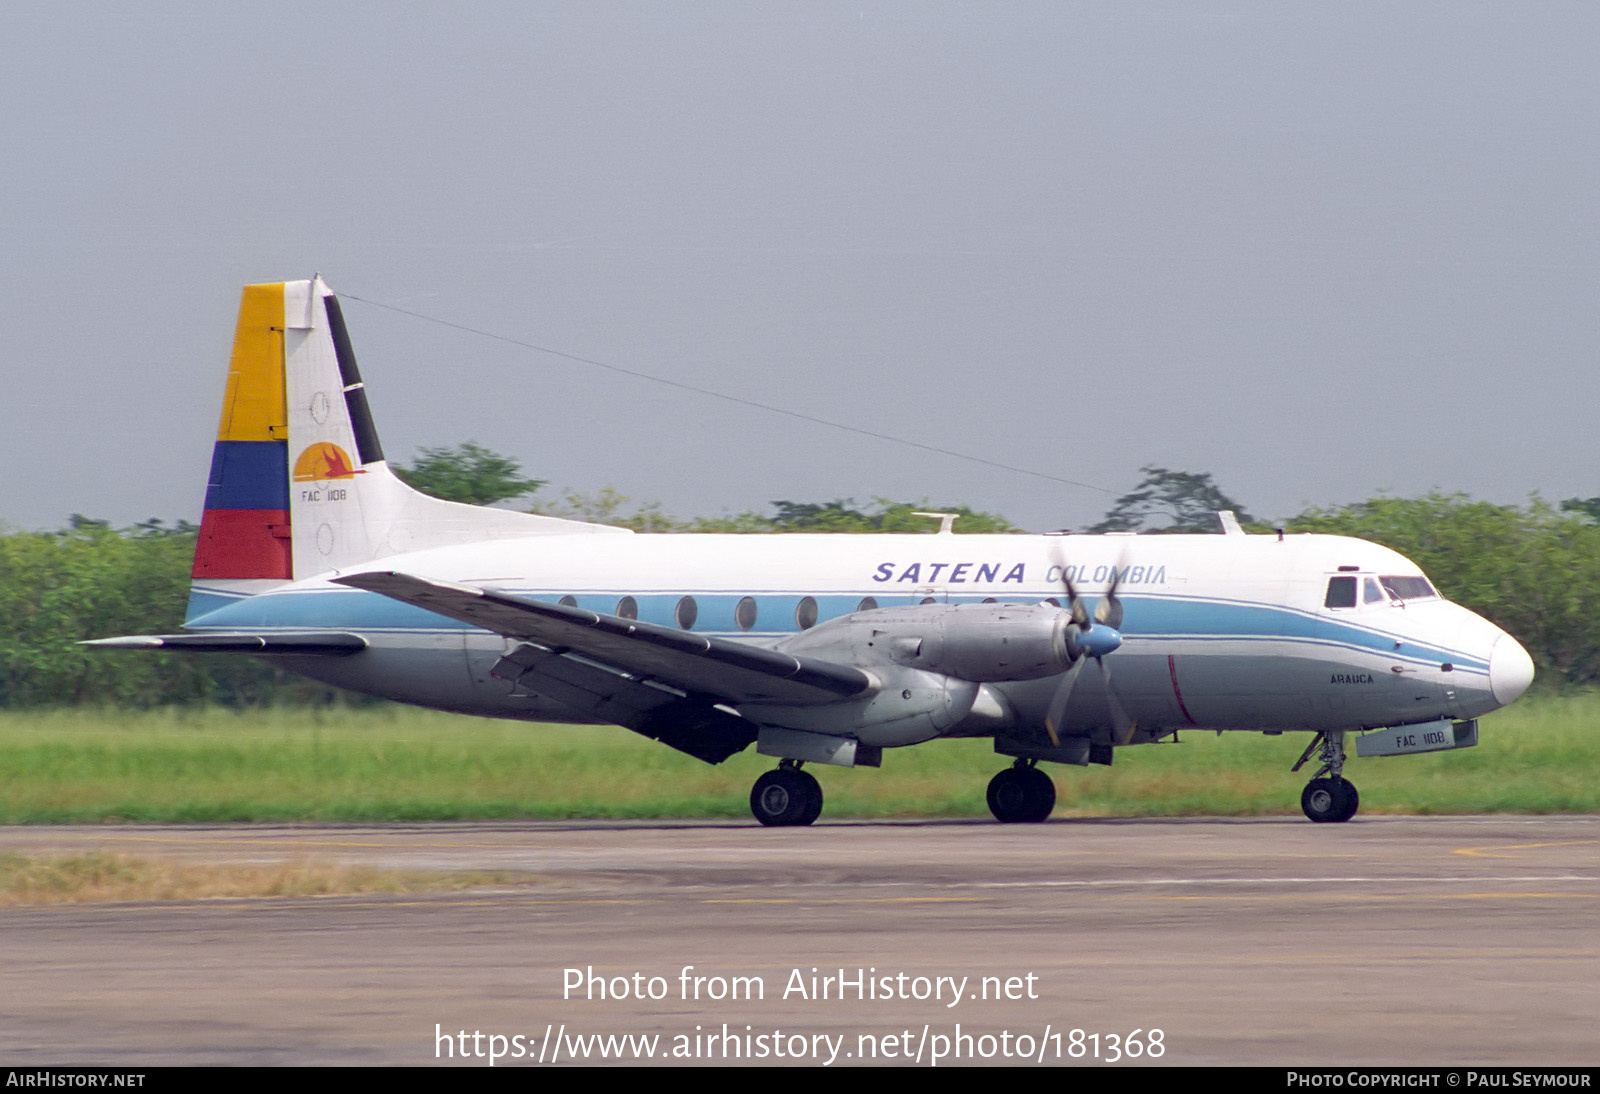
1219 631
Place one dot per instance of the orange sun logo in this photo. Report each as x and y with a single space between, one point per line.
323 461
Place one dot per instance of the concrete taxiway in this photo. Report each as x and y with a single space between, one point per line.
1387 940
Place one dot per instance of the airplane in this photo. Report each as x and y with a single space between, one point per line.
816 649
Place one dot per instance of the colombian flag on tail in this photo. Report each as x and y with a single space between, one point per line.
245 531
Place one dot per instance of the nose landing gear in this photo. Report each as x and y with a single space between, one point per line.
1329 797
1330 800
786 797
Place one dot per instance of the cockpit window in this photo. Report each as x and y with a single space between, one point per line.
1408 588
1370 593
1341 592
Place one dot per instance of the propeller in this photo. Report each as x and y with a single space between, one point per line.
1089 636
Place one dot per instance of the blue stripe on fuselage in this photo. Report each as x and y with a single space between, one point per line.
1146 618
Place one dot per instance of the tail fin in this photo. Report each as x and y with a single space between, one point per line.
299 485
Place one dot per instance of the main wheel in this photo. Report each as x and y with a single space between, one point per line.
1021 795
813 795
1329 800
1008 796
1041 796
1352 800
787 796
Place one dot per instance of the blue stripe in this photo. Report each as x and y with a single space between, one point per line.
248 475
1146 618
1218 619
358 610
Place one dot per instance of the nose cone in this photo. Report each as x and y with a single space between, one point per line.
1510 669
1100 640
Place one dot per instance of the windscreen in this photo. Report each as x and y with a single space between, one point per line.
1408 588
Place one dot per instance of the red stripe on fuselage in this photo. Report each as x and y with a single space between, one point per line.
1172 670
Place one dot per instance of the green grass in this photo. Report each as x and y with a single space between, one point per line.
392 763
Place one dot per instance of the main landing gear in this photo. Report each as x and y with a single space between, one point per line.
1021 794
785 797
1329 797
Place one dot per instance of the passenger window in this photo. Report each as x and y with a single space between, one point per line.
628 608
688 612
745 613
805 613
867 604
1341 593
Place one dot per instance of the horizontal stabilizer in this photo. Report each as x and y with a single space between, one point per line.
308 643
733 672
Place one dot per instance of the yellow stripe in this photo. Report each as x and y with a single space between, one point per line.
254 408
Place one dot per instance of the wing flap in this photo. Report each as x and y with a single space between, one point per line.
688 723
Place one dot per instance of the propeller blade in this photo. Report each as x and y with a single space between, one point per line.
1058 701
1089 636
1080 614
1122 726
1109 610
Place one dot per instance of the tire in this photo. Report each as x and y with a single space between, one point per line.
1041 796
1021 795
1351 800
786 797
1329 801
814 795
1007 797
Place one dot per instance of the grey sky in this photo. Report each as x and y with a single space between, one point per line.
1319 250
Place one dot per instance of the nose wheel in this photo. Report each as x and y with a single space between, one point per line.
1329 798
786 797
1021 794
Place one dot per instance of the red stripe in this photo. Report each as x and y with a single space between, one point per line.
244 543
1172 670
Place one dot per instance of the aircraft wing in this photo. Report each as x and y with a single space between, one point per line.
660 681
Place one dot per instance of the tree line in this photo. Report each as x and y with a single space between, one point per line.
1532 569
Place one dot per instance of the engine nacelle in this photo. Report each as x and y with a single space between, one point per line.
984 643
909 706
